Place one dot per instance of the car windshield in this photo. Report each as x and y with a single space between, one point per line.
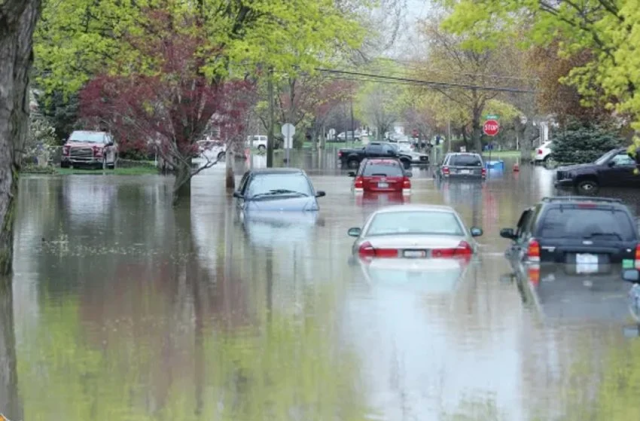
415 222
465 161
587 223
265 185
383 168
89 137
604 158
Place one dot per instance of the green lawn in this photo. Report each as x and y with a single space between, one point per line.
502 154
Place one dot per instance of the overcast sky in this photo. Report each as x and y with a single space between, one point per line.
407 43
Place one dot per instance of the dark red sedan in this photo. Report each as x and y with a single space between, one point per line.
381 175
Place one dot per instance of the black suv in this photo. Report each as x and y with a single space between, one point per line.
584 235
613 169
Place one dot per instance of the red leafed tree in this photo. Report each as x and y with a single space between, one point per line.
172 106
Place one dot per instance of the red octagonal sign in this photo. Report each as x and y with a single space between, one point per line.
491 127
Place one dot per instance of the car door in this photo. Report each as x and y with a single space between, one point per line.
619 172
388 150
373 151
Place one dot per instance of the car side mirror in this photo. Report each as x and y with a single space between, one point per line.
352 173
476 232
354 232
408 174
611 164
320 194
507 233
237 195
631 275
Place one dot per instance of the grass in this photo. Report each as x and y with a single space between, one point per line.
501 154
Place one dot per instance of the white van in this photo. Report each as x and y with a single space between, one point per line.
257 141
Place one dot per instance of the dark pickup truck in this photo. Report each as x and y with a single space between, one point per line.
351 158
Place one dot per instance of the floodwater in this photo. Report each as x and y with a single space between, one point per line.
124 308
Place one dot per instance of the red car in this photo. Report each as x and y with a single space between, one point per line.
381 175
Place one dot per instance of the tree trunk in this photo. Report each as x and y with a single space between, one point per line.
476 133
17 22
9 400
182 184
230 180
525 147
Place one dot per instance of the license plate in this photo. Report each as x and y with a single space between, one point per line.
383 185
586 263
415 253
465 171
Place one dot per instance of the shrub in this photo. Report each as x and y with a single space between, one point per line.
583 143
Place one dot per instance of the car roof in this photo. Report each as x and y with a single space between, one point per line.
267 171
374 160
415 208
463 153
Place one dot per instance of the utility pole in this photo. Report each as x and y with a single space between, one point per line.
449 136
271 137
353 130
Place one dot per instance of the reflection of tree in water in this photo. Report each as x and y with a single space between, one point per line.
166 338
9 401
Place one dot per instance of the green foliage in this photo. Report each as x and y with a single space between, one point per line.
609 30
581 143
78 39
61 112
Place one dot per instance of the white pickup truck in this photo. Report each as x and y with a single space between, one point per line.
257 141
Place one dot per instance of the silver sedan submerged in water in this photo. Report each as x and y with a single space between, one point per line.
415 231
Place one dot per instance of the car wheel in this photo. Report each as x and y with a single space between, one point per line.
113 164
353 164
407 164
221 156
262 148
587 187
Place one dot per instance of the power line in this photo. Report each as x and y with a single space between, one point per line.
374 77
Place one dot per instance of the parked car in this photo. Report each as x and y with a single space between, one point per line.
417 158
277 189
613 169
351 158
543 153
580 235
212 148
376 175
257 141
349 136
462 165
415 231
89 148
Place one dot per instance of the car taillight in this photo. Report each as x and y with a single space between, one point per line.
445 170
406 183
540 152
533 252
367 250
65 150
97 151
339 154
359 183
637 257
462 250
484 172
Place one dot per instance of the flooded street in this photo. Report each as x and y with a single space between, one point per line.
125 308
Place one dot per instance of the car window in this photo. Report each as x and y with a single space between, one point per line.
465 161
604 158
622 160
265 183
415 222
388 149
89 137
374 149
586 223
383 168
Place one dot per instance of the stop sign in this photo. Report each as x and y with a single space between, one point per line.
491 127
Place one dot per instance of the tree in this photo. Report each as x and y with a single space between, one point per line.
17 22
606 30
228 40
583 142
473 68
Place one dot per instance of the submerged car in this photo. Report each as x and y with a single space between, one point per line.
89 148
277 189
462 165
417 158
415 231
381 175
